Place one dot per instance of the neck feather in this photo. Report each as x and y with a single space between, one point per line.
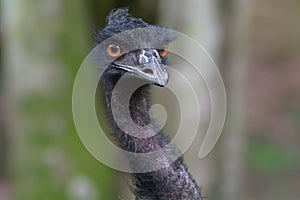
171 182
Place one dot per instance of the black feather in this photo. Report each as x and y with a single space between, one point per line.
173 181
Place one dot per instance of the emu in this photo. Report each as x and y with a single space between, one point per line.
172 182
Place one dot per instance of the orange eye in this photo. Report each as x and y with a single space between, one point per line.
165 51
113 50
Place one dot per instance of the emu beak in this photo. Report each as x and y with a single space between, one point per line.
149 67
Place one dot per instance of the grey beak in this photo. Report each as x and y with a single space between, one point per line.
149 67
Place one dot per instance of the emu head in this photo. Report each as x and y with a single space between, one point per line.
136 46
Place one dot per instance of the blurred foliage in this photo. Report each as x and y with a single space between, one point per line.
49 160
3 140
268 157
294 116
142 8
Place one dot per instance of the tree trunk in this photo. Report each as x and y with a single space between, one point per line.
233 63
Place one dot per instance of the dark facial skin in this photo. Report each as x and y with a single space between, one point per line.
148 59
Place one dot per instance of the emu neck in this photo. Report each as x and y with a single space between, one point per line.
139 113
138 104
171 182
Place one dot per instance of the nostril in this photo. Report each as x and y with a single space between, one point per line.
148 71
148 54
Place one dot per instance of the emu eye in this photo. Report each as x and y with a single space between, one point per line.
165 51
113 50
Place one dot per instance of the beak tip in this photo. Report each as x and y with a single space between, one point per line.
163 81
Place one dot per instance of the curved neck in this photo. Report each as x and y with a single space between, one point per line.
138 106
171 182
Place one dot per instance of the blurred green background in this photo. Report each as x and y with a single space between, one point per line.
256 45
